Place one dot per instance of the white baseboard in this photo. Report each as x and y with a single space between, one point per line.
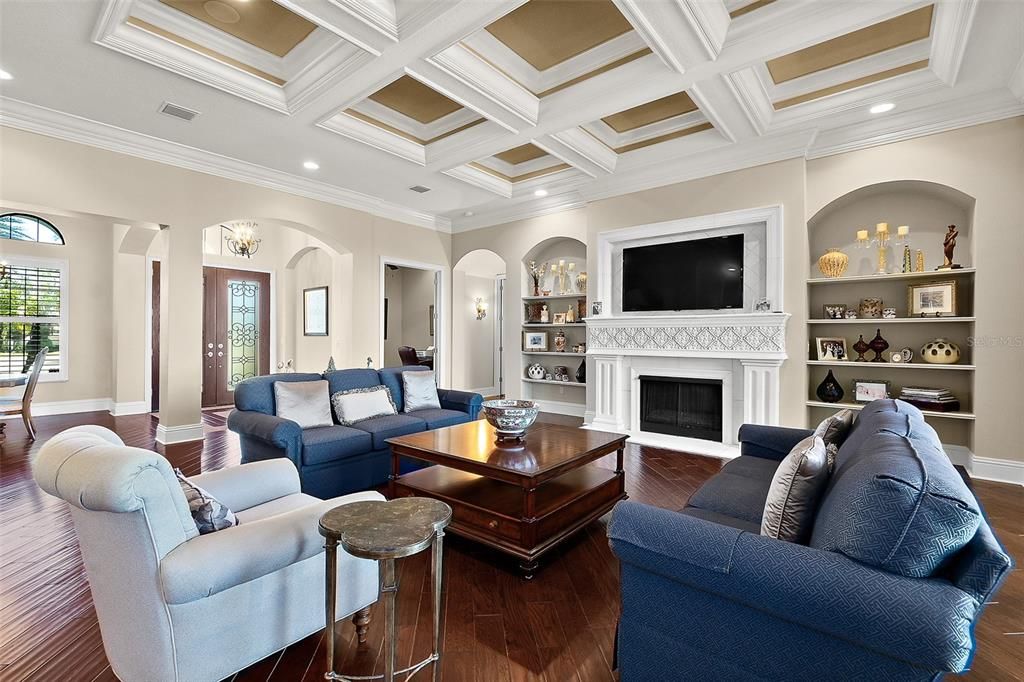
694 446
1001 470
169 435
67 407
135 407
557 407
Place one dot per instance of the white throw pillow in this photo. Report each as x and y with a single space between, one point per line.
307 403
358 404
420 391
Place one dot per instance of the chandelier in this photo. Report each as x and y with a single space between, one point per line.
242 239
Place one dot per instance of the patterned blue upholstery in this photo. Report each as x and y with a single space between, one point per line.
337 460
390 426
705 596
739 490
256 394
392 378
438 418
769 442
897 502
329 443
347 379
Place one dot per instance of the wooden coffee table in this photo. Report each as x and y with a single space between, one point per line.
521 499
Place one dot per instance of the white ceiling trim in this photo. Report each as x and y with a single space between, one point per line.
481 179
424 131
346 19
581 150
512 170
1017 80
951 27
681 32
35 119
386 141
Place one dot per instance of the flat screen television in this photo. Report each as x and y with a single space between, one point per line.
700 274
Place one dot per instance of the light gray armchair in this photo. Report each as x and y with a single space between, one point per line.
176 606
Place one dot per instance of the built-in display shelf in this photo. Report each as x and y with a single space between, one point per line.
552 324
553 297
969 416
888 365
893 277
555 352
891 320
556 383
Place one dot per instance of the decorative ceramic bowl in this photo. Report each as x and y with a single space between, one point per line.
940 352
510 418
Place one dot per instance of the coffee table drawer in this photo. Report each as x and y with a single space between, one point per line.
469 516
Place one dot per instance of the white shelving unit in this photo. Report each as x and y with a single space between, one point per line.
894 320
969 416
555 353
889 365
556 383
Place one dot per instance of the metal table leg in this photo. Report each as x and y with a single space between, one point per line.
331 577
389 586
435 551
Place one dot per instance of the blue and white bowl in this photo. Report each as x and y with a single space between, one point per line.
510 418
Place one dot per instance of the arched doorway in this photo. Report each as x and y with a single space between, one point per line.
478 281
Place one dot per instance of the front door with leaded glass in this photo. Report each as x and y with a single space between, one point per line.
236 331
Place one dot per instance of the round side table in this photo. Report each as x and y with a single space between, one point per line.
383 532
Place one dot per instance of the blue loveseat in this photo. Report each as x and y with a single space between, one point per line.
898 568
336 460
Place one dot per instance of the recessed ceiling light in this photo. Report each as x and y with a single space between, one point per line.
467 214
4 76
540 192
882 108
311 165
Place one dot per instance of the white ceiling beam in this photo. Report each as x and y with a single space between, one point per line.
752 95
481 179
681 32
951 27
375 136
725 109
466 78
580 149
349 19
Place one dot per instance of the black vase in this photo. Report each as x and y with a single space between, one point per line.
581 372
829 390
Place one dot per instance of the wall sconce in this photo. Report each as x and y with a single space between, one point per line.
481 308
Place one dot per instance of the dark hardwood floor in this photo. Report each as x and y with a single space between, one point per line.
497 627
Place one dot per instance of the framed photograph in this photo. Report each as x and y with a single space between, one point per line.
834 311
595 308
314 311
535 340
558 318
934 298
865 391
831 348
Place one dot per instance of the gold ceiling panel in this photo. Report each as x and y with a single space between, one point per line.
652 112
409 136
262 23
524 176
411 98
756 4
663 138
901 30
548 32
849 85
521 154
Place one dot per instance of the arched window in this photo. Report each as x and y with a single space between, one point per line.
29 228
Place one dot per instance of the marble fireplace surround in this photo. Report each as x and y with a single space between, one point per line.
743 349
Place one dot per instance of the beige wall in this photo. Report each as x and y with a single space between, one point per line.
314 269
472 341
89 255
987 163
104 183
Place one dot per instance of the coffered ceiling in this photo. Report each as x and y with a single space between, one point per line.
486 103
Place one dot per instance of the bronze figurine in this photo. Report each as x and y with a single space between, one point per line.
948 244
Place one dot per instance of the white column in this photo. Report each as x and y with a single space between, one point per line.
761 391
607 390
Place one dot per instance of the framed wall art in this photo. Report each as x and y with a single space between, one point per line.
314 311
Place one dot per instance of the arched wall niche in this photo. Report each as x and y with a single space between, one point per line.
926 207
475 351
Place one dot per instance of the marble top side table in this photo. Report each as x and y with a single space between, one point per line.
383 532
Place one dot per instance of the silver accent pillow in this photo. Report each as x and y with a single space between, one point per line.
420 391
208 512
833 429
793 495
307 403
357 404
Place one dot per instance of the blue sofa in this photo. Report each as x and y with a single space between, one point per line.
337 460
898 568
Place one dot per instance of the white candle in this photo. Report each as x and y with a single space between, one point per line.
862 235
882 228
903 230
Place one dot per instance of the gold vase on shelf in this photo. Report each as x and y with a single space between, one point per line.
833 263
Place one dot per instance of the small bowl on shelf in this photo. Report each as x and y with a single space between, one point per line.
510 418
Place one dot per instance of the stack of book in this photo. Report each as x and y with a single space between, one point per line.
935 399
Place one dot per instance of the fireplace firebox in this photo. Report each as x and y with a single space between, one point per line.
680 406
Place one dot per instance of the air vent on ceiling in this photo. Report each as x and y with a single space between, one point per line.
178 111
419 189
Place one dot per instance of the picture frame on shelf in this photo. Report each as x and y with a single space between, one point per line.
535 341
933 299
831 348
834 311
864 390
558 318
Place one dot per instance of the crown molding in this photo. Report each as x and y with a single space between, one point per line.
680 32
481 179
357 22
349 126
580 149
951 28
43 121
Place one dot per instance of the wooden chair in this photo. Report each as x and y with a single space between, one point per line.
23 405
